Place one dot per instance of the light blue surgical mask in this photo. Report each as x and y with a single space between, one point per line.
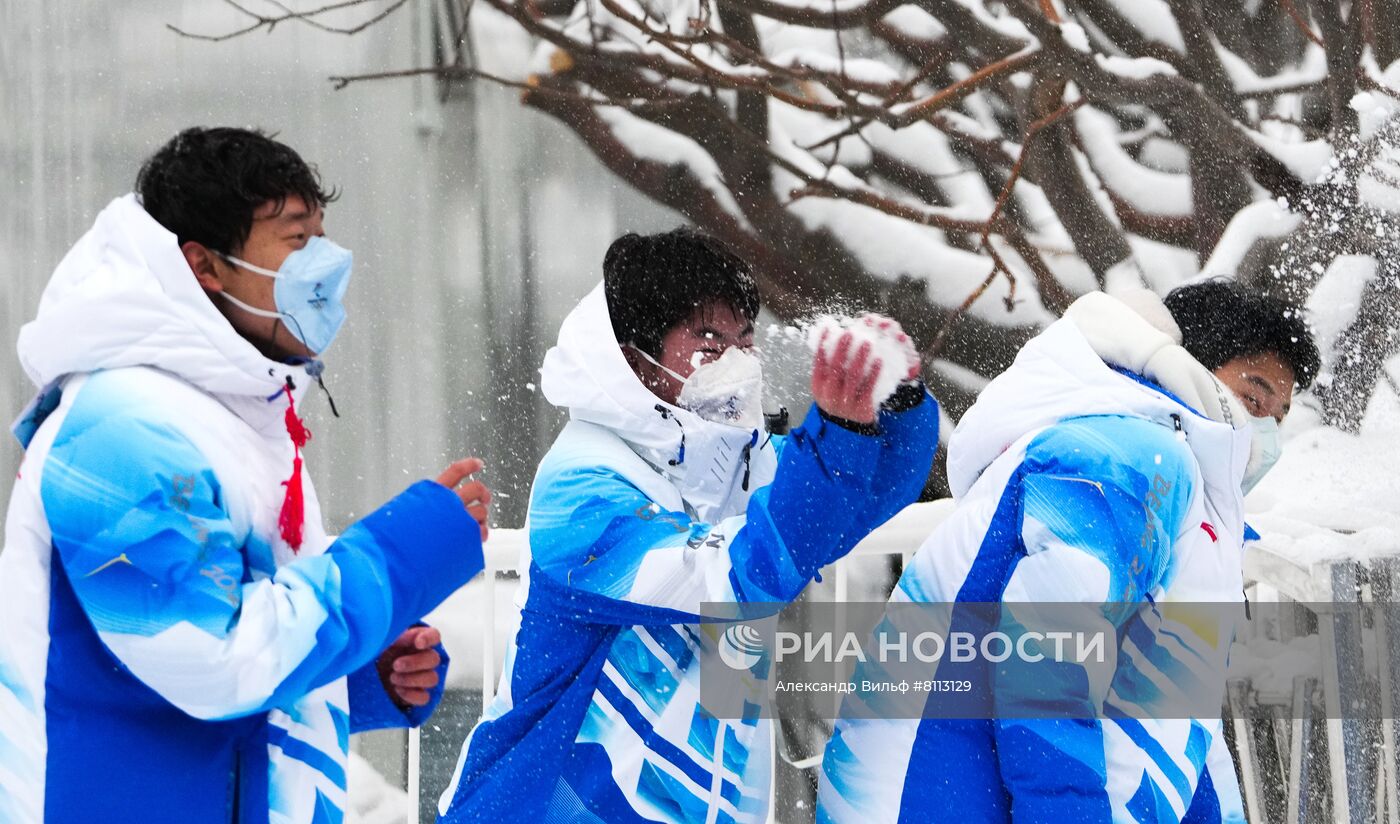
1264 450
309 293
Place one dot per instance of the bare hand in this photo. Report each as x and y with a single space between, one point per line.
475 496
408 668
842 385
891 328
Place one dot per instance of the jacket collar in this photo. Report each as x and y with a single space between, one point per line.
586 373
1069 370
124 296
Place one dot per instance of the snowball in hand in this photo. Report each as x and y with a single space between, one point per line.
888 344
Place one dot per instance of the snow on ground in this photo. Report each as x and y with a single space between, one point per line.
460 617
373 800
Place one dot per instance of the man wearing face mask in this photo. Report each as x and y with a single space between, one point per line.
662 494
182 640
1105 469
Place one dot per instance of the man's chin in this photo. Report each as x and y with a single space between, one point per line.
278 352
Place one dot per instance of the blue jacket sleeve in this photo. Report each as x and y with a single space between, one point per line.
372 708
1101 502
602 549
908 442
139 523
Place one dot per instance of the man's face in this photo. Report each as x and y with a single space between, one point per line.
1262 382
276 233
711 329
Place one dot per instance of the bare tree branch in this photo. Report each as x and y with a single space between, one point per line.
308 18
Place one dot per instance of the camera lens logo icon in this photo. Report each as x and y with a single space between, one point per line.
741 647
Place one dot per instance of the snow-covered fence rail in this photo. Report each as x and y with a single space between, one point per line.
1293 744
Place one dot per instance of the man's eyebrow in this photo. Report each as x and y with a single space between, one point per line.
1262 384
285 217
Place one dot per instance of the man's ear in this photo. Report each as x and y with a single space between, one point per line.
204 264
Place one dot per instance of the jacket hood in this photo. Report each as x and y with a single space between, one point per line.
587 374
1069 371
124 296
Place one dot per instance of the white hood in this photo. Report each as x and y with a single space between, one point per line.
1065 372
125 296
587 374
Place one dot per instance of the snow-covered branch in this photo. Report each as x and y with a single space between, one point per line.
972 166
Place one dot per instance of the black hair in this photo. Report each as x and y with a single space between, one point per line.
1221 320
654 282
205 184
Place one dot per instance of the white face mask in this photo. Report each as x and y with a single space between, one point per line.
727 390
1264 451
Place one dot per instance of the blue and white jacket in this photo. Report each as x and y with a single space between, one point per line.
640 514
165 655
1103 468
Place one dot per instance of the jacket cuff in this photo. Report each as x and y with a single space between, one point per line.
373 708
857 427
909 395
844 453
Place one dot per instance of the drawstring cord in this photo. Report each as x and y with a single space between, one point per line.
666 414
293 514
316 369
748 447
329 399
680 455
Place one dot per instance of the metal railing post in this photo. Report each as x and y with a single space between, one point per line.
414 774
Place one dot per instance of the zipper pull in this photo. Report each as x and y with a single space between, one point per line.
748 448
329 399
1180 430
666 415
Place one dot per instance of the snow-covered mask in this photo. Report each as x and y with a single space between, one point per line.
726 390
310 291
1264 450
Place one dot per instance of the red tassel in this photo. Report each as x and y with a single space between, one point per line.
293 515
293 508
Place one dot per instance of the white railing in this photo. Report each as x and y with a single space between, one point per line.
902 536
